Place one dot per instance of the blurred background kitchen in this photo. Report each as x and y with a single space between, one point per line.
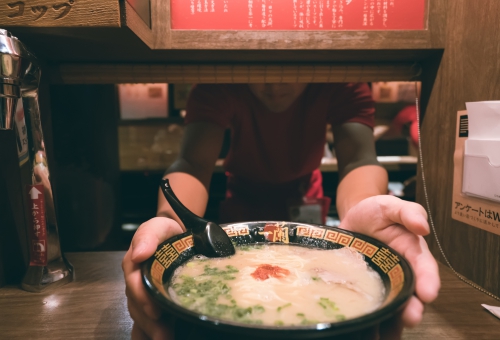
107 180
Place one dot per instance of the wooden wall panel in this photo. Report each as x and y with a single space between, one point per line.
230 73
469 71
53 13
137 23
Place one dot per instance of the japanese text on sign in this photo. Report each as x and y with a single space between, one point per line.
298 14
56 10
37 225
476 213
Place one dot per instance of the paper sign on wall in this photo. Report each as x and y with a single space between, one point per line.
298 14
479 212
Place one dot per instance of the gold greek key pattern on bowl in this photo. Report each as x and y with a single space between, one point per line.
183 244
397 277
337 237
311 232
157 270
236 230
364 247
329 235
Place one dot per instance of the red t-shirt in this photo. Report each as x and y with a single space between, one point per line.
407 116
274 157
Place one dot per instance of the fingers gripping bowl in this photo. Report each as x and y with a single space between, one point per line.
165 278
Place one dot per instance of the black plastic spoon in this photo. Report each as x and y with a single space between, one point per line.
208 237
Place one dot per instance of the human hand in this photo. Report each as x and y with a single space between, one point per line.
142 309
400 224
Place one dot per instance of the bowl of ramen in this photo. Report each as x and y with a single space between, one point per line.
287 280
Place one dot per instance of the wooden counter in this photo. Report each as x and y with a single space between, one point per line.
390 163
155 146
94 307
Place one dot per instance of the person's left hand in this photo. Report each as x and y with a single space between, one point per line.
400 224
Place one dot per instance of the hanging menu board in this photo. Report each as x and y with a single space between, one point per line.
300 15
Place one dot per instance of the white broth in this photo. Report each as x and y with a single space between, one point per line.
279 285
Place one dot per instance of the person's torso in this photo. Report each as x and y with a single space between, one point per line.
277 147
274 157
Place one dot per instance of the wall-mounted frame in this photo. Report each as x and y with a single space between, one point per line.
428 37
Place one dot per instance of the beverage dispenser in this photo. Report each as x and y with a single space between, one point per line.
34 218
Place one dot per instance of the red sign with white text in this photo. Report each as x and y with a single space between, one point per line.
298 14
37 225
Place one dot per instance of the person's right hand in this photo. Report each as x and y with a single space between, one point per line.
142 309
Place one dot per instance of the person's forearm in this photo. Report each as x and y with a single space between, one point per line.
358 184
189 190
191 173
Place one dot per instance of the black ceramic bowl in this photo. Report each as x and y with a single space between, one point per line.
396 274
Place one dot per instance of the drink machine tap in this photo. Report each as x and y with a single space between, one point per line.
19 79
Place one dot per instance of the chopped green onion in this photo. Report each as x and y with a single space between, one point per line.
284 306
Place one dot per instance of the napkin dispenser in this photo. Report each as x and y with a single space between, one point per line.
481 167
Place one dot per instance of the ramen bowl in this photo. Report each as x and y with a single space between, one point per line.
395 272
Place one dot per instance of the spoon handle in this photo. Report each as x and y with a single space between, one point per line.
190 220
